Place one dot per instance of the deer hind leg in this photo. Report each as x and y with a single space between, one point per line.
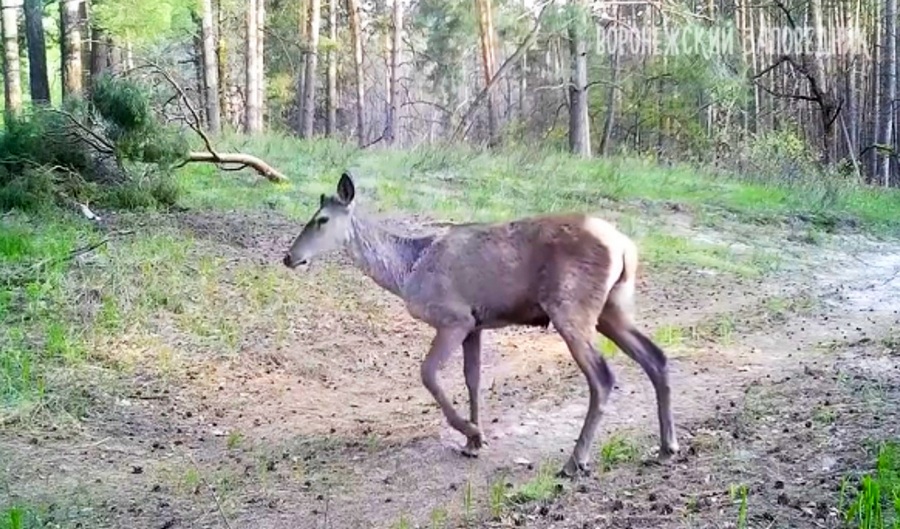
615 324
472 368
447 340
578 334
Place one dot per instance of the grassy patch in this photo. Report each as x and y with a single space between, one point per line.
876 501
616 450
17 517
35 330
466 184
545 485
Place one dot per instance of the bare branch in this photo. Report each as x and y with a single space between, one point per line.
104 146
258 165
470 112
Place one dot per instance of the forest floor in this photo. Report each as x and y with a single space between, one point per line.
199 383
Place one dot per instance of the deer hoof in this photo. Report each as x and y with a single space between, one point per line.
573 469
667 453
475 443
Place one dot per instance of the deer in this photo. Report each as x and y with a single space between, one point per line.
574 271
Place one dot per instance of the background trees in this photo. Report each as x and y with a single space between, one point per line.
491 72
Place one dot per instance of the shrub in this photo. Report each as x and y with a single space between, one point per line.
110 148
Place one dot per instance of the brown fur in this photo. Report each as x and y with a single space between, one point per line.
574 271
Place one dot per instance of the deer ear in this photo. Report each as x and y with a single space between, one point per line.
345 189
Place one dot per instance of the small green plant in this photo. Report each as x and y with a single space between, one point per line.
668 336
402 523
875 491
234 440
439 518
468 502
497 498
616 450
544 486
739 494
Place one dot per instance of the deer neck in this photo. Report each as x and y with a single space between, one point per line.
385 257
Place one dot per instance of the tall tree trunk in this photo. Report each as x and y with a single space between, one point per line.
331 116
393 106
210 71
873 127
355 34
260 64
12 81
222 64
888 88
251 67
579 120
312 59
99 53
612 98
72 69
37 52
199 77
486 32
303 27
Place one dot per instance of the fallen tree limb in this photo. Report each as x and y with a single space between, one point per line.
248 160
212 155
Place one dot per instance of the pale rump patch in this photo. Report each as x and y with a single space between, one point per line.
623 266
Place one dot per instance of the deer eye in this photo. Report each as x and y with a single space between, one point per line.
321 221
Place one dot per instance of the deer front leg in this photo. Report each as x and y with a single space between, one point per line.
446 341
472 369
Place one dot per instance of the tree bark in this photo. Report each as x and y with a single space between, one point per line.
260 65
248 160
222 64
100 62
37 52
210 71
72 69
251 67
12 80
355 34
312 59
486 32
612 98
579 120
888 89
393 106
331 115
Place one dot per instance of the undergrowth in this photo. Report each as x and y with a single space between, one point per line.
465 184
875 502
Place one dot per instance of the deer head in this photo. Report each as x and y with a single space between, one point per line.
328 228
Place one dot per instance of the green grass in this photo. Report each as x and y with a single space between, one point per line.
545 485
462 183
616 450
34 331
876 504
20 517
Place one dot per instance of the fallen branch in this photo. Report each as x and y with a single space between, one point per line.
212 155
248 160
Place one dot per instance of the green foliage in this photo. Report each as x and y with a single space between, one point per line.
42 157
34 332
122 103
142 22
781 156
40 137
877 501
464 184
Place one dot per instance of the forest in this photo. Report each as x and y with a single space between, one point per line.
161 367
